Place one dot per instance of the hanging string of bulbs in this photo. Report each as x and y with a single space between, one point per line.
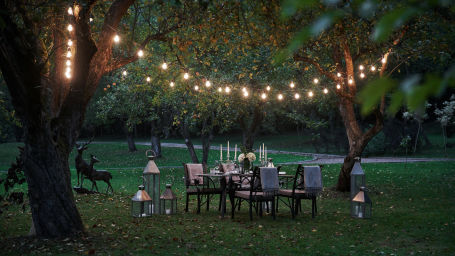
244 91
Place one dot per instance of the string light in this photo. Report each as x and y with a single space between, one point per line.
196 88
383 60
268 88
263 96
362 75
227 89
310 94
338 86
124 73
171 84
297 96
207 83
361 67
338 74
70 11
91 19
315 80
68 63
350 81
280 96
245 94
68 69
325 91
140 53
244 89
70 43
148 79
373 68
70 28
68 54
220 89
186 76
116 39
292 85
68 75
164 66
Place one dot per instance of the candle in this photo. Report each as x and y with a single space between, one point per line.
266 159
221 152
263 152
228 151
235 153
260 153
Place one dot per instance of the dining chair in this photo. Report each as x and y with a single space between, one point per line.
307 184
263 189
199 186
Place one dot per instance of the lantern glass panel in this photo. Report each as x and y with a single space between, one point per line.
152 182
357 179
361 205
168 201
141 203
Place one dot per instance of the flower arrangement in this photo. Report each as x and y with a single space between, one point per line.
250 156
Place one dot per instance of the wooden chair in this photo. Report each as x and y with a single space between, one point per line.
260 191
299 191
199 186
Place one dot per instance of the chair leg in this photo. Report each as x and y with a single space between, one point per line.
198 203
300 205
260 205
315 206
277 198
273 209
232 207
240 203
251 210
292 208
208 202
186 204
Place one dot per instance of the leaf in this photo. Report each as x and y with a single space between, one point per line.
392 21
371 94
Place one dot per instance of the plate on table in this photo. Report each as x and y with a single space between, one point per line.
281 173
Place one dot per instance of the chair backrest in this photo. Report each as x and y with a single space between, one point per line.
269 179
191 172
228 167
299 179
308 178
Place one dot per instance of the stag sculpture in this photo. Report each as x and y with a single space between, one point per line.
99 175
82 167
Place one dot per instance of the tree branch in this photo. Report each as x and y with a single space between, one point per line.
320 69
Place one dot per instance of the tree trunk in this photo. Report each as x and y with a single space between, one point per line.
156 145
46 166
247 140
130 139
206 141
190 146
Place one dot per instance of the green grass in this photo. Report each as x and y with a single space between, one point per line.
413 214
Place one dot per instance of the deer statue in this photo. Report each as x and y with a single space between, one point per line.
82 167
99 175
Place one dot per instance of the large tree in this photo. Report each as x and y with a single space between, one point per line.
51 106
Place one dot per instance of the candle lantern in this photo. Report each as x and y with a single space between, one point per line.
168 201
361 205
141 203
152 181
357 178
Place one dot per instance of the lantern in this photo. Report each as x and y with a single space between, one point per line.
361 205
168 201
141 203
357 178
152 181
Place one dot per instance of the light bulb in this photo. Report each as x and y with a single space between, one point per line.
338 74
315 80
310 94
297 96
70 11
244 89
70 43
68 54
171 84
383 60
207 83
68 70
373 68
124 73
263 96
362 75
268 88
220 89
186 76
140 53
280 96
227 89
196 87
361 67
148 79
116 39
68 63
325 91
245 94
164 66
91 19
338 86
68 75
350 81
292 85
70 27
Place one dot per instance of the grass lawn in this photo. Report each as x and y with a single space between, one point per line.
413 214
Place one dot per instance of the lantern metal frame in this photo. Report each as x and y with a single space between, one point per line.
361 206
151 183
168 201
357 178
141 203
